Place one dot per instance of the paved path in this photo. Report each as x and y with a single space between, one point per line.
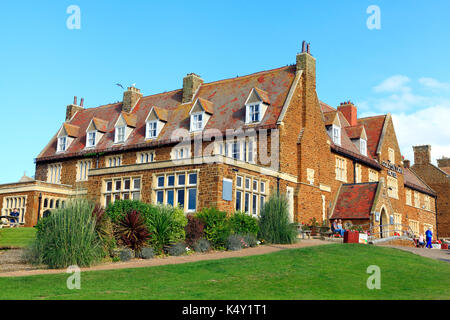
176 260
443 255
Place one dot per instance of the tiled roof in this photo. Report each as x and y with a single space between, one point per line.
130 119
413 181
162 114
227 96
355 201
100 125
325 107
354 132
329 117
71 130
208 106
263 95
445 169
374 128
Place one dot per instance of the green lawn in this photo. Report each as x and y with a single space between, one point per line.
16 237
326 272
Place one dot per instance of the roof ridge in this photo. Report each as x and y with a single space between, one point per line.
248 75
378 116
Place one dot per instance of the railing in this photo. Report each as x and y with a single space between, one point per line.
398 228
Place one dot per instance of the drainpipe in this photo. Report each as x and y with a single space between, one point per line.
354 171
39 206
278 185
436 212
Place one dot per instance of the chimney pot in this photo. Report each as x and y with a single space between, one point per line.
81 102
75 100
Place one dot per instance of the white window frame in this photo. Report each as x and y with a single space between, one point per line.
83 167
62 146
113 161
145 157
121 193
260 192
341 169
336 134
176 187
392 185
253 112
120 134
54 173
363 147
89 138
151 130
373 175
197 125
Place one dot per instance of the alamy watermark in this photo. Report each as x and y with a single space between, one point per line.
74 20
374 20
374 280
74 281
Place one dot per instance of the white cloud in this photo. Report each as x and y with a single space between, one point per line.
418 119
394 84
424 127
434 84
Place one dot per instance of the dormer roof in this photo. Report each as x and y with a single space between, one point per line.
130 119
99 125
257 94
70 130
204 104
356 132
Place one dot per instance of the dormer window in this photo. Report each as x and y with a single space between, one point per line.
120 134
336 131
200 113
91 139
256 106
254 113
155 121
197 122
62 144
152 127
65 137
363 145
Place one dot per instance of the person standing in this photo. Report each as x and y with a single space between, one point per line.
429 235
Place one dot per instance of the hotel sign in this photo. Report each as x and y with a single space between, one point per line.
392 169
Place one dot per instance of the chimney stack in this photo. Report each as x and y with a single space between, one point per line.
82 102
73 108
307 64
350 112
406 163
444 162
130 98
422 154
191 83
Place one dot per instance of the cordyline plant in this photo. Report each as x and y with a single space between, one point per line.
132 231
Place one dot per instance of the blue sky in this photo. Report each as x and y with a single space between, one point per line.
403 68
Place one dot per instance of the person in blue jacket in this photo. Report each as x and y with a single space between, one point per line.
14 217
429 236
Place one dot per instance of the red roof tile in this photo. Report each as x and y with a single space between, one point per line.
354 132
263 95
208 106
227 96
445 169
325 107
374 128
355 201
413 181
130 119
71 130
162 114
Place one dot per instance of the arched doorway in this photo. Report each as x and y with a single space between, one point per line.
384 221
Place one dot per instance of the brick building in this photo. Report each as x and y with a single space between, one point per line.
231 143
438 178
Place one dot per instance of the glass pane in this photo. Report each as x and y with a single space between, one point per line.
136 196
136 184
116 196
161 182
180 198
171 181
247 183
193 179
255 185
254 204
108 199
109 186
181 179
239 182
126 184
238 201
247 202
263 187
160 196
169 197
192 195
262 200
118 185
126 196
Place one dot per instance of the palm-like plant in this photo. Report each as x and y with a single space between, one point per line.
132 231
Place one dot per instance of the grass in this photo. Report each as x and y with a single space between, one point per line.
334 271
16 237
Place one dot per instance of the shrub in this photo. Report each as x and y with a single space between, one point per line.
104 228
236 242
217 227
166 225
116 211
126 254
67 237
243 223
250 240
177 249
147 253
202 245
132 231
274 225
194 229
